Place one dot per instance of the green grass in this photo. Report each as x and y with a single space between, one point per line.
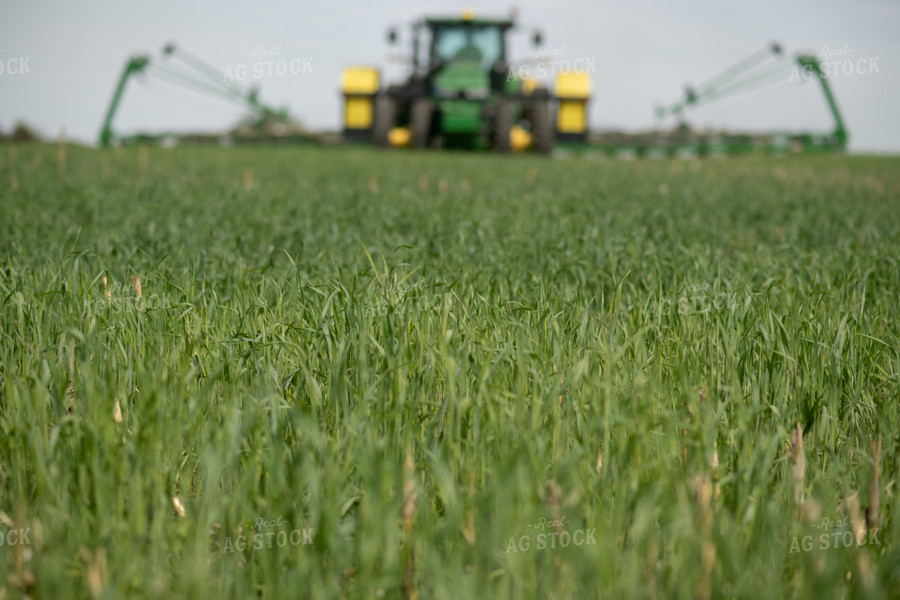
345 336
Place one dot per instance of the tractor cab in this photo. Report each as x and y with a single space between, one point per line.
467 57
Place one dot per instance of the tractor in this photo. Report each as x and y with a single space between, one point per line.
463 93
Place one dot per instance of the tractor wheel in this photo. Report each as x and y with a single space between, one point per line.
502 126
541 128
421 123
385 116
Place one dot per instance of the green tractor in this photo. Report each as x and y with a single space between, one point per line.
462 93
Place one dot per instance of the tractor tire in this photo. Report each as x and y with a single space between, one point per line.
503 124
385 118
420 122
541 127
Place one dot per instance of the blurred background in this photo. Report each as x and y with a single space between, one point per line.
69 56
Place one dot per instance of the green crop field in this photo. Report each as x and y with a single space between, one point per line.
338 373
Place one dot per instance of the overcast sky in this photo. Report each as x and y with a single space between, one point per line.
641 54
